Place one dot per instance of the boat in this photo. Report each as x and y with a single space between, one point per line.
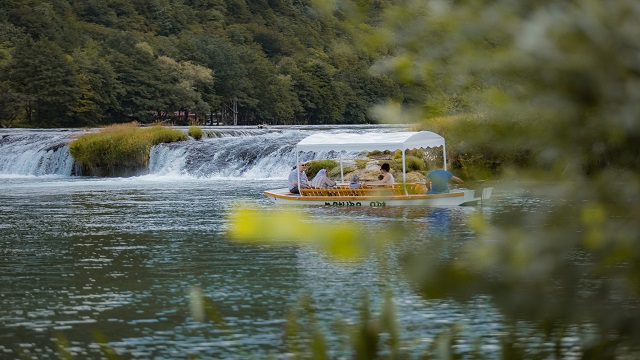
401 194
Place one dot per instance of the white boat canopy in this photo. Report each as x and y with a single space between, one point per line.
370 141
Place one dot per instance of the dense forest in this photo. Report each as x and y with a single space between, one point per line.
71 63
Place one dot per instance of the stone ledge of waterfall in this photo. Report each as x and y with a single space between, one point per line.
117 171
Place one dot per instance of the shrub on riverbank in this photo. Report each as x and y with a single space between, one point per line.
119 150
195 132
314 166
412 163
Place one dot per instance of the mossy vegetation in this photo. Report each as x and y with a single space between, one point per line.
120 150
412 163
195 132
379 154
419 153
361 163
335 172
212 134
314 166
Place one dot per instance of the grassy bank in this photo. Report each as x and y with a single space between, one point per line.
120 150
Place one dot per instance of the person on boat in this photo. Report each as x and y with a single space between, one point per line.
354 183
322 181
293 178
387 177
438 180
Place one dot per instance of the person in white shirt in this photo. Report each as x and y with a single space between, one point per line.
293 178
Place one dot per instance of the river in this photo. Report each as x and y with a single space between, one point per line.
85 261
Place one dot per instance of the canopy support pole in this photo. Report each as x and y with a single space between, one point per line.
298 170
404 172
444 156
341 170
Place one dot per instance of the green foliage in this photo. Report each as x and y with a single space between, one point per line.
318 94
41 71
314 166
119 149
361 163
11 105
335 173
212 134
120 61
378 153
97 84
361 90
195 132
203 309
412 163
414 152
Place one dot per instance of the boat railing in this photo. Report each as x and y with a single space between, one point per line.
343 190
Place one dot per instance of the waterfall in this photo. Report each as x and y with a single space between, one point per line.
231 153
35 153
266 155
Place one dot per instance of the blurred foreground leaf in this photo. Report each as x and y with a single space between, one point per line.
341 240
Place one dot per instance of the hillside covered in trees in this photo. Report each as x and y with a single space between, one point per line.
92 62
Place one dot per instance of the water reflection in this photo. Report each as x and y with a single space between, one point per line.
439 220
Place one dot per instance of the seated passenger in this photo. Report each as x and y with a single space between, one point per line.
387 178
293 178
322 181
354 183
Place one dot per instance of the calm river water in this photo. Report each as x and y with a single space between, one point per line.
83 259
89 261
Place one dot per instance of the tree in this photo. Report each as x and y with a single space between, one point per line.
230 73
270 97
142 85
12 104
363 90
41 20
98 85
189 79
40 70
321 99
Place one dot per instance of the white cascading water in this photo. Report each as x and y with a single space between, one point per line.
256 156
35 153
231 154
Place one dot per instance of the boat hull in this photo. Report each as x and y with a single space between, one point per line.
453 198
